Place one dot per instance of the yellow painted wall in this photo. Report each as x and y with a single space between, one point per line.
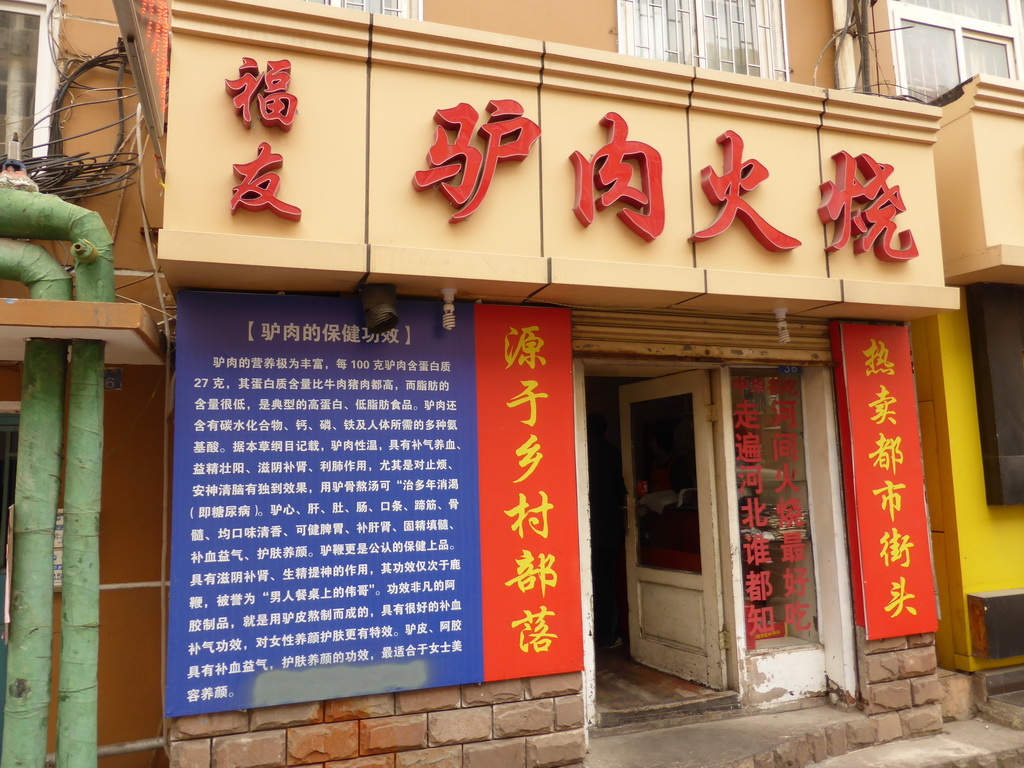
977 187
979 197
977 546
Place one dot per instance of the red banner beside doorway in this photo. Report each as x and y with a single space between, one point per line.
528 525
893 585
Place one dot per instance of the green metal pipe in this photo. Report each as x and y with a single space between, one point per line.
80 614
33 266
37 485
27 703
47 217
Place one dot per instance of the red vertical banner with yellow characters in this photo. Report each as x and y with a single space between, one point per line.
890 544
530 568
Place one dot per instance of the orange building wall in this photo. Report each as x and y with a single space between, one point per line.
808 29
131 545
88 28
595 25
131 526
585 23
132 533
130 705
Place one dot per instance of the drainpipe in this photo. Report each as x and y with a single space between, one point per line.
80 604
80 614
37 486
36 490
48 217
33 266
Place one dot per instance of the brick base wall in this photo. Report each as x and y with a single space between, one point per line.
899 686
532 723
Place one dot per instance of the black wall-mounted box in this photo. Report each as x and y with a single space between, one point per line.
997 623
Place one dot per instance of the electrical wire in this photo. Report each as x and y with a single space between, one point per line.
85 174
166 315
165 510
122 286
165 528
147 232
821 56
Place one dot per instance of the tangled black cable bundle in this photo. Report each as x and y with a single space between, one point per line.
74 177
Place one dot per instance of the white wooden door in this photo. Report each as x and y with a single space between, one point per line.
672 560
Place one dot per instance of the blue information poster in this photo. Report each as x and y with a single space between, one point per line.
325 536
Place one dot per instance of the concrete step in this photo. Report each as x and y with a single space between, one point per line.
1006 709
964 744
799 738
665 714
994 682
729 743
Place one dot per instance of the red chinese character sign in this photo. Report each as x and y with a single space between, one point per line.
890 545
257 190
727 191
528 525
771 485
270 90
872 225
860 203
611 171
462 172
276 108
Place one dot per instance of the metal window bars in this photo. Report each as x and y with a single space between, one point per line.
742 36
399 8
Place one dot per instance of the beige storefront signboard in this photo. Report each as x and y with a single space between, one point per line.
751 152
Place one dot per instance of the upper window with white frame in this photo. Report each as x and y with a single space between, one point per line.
403 9
941 43
27 73
742 36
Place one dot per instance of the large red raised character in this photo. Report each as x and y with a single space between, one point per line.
277 107
258 188
460 171
611 171
727 190
872 225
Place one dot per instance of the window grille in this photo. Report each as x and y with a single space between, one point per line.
404 9
742 36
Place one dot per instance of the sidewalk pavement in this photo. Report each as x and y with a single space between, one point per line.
821 737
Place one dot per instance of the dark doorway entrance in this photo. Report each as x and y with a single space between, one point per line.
627 692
